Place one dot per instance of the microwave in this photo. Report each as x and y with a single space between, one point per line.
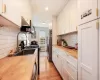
25 28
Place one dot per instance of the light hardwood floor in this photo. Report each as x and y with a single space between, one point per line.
47 70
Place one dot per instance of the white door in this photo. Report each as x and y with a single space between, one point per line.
88 51
87 10
0 6
42 41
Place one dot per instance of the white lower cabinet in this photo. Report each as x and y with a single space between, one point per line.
65 74
58 62
65 65
72 71
71 78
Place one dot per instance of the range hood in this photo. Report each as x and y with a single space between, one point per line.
27 27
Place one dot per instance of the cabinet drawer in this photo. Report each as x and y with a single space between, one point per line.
72 60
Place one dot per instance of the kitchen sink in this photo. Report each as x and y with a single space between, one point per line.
25 52
28 50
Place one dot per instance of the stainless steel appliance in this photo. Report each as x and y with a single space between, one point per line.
50 47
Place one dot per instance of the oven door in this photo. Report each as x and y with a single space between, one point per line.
35 72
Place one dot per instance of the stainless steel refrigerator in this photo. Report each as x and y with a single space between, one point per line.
50 46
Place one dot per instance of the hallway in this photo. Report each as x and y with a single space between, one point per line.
47 70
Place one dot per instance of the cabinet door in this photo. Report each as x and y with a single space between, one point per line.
13 11
59 24
0 6
71 78
59 63
72 71
99 51
65 74
98 8
67 18
53 56
87 10
63 21
73 15
88 51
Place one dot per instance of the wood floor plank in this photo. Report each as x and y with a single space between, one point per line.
48 70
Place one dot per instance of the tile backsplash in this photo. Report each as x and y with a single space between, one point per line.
8 40
71 38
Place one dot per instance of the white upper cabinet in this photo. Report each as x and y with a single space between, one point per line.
99 8
73 15
12 11
87 10
67 19
0 6
88 51
63 21
60 24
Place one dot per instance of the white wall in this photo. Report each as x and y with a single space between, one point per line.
71 38
54 30
8 40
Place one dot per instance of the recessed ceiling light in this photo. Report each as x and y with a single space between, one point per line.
43 23
50 24
46 8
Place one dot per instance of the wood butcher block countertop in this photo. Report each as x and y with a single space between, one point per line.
17 68
72 52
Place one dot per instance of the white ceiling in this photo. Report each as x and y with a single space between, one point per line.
39 13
